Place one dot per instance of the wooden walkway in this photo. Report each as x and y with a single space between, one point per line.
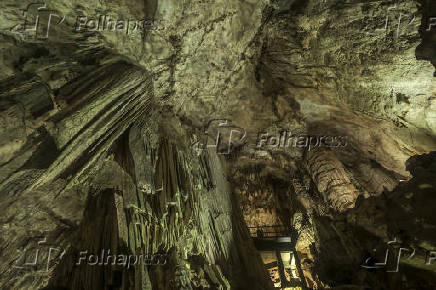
276 238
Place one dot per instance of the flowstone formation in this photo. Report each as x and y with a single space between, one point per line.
141 141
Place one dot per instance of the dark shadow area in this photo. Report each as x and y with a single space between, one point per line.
406 215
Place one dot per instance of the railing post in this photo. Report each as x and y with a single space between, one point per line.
281 267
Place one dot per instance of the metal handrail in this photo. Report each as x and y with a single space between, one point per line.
274 226
258 231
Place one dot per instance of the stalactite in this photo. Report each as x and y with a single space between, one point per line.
331 179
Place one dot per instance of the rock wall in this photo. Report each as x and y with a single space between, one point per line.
97 119
144 196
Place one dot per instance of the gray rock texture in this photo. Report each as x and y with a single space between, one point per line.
101 102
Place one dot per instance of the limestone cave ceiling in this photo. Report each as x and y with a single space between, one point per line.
155 144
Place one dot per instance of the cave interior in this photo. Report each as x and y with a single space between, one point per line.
217 144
